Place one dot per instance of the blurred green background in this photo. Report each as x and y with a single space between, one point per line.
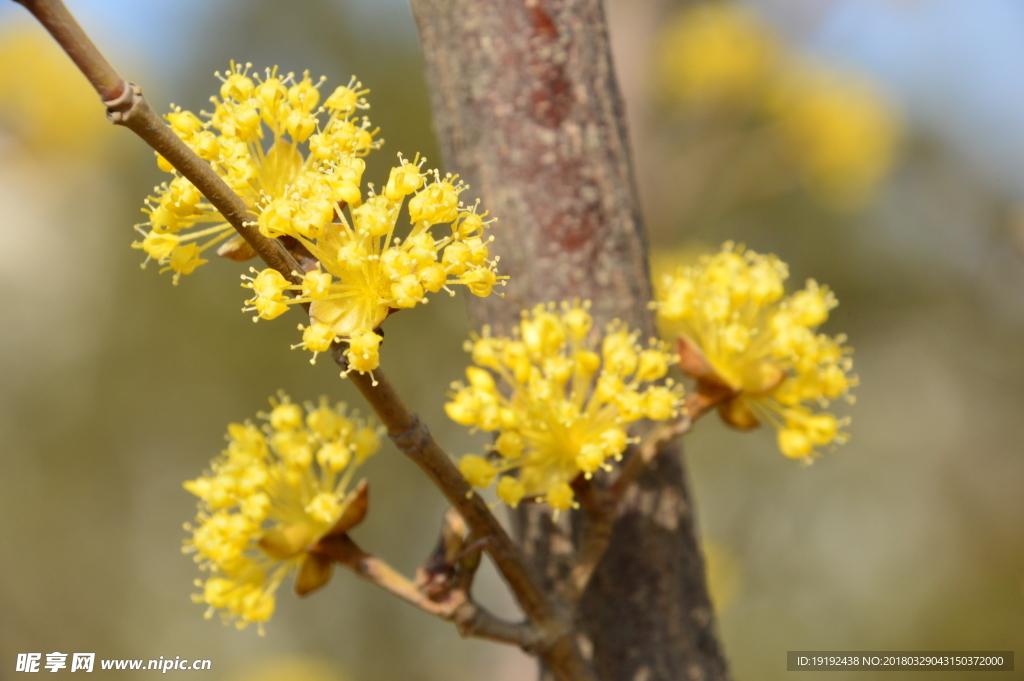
875 145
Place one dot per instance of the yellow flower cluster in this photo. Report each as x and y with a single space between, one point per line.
838 130
274 492
569 406
306 184
743 339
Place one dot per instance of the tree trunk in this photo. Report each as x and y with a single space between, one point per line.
528 112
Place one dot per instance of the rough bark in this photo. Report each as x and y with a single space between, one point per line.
528 112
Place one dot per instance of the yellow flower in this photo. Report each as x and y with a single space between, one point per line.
253 139
368 273
755 352
716 53
569 402
269 497
840 131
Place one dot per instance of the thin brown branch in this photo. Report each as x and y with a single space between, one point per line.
127 107
471 619
456 558
556 646
469 563
454 561
600 507
413 438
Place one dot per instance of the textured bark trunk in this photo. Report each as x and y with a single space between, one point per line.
528 112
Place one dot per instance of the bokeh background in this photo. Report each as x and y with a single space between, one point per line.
875 145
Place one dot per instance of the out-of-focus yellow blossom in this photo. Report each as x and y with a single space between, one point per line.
44 101
367 272
270 496
841 131
569 403
838 131
755 351
716 53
